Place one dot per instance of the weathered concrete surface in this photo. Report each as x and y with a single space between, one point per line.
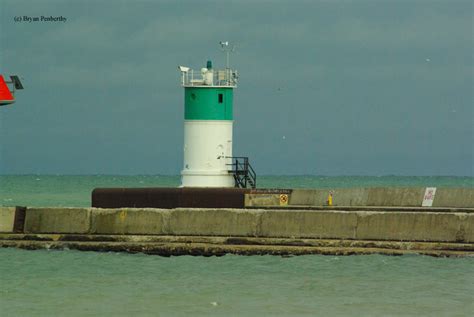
57 220
7 219
129 221
262 200
207 246
369 208
308 224
341 197
232 240
392 196
467 227
412 226
454 197
199 221
384 196
337 224
219 222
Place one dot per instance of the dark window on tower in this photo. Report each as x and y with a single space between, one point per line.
221 98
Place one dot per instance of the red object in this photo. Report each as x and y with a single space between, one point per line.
6 96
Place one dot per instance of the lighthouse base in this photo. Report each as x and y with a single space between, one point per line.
169 198
206 179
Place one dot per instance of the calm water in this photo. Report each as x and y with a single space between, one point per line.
72 283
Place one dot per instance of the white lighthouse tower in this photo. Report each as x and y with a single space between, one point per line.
208 120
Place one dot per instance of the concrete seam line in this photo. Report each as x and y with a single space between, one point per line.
461 232
165 221
89 214
354 235
93 220
19 219
258 225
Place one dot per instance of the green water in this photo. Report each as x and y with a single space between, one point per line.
73 283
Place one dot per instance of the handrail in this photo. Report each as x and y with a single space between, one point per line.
243 172
218 77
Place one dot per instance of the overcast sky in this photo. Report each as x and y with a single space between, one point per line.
326 87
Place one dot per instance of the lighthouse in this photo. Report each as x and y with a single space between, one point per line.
212 176
208 121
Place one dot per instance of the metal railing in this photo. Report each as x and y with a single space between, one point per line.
244 174
213 77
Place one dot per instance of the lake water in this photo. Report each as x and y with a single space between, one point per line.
73 283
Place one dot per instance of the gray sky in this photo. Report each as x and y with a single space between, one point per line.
326 87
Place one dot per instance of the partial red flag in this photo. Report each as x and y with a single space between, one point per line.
6 96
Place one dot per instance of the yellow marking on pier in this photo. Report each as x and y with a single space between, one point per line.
123 215
55 237
283 200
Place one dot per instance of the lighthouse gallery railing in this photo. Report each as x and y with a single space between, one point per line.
221 77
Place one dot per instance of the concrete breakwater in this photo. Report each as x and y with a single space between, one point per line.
208 231
169 198
363 197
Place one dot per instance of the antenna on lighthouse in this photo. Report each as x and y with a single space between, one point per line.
227 49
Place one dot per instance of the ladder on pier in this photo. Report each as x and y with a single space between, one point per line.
244 174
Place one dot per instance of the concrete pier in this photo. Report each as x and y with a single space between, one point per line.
169 198
216 231
216 246
166 221
363 197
